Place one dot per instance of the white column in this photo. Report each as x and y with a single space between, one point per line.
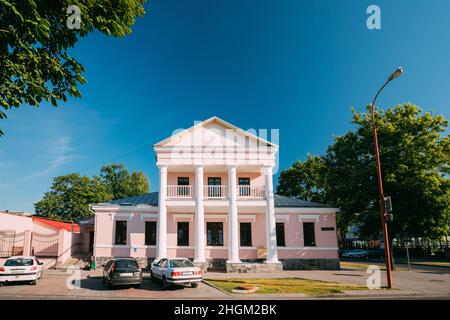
161 243
271 234
233 227
199 217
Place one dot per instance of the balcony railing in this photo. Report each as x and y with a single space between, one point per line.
215 192
176 191
251 192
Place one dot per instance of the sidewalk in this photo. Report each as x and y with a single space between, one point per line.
422 282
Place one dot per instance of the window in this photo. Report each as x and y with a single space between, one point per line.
181 263
150 233
126 265
214 232
183 233
308 234
244 187
244 181
215 192
183 181
281 242
121 232
246 234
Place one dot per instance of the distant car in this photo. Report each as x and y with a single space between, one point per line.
376 253
122 272
178 271
21 268
356 254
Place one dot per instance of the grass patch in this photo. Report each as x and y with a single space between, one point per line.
286 285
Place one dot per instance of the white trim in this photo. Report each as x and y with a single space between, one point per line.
104 207
315 217
143 246
182 216
247 217
216 216
115 216
181 247
282 217
118 246
305 210
308 248
148 216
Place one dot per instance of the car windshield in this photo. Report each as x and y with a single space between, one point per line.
126 264
181 263
19 262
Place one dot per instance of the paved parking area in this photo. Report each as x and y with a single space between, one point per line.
421 282
53 286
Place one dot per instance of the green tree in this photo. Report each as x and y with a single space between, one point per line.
415 157
70 196
34 41
304 180
121 184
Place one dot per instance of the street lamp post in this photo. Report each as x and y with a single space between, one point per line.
383 213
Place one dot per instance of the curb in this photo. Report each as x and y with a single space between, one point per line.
215 287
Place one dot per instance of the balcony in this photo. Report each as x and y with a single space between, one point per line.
215 192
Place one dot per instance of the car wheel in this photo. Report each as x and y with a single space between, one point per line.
33 282
194 284
165 283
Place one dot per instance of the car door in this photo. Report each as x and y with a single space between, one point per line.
158 268
107 269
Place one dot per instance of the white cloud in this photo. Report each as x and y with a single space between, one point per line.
59 153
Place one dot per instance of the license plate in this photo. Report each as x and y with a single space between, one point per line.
187 273
126 274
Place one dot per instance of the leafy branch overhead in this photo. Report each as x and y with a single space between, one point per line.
415 160
35 65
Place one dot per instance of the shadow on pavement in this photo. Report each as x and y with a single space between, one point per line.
96 283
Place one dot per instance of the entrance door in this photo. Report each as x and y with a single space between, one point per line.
91 241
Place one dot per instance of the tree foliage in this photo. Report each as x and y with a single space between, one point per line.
121 184
70 195
35 64
415 158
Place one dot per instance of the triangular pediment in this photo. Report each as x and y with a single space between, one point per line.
214 132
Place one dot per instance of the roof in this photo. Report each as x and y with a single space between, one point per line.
17 213
58 225
280 201
220 121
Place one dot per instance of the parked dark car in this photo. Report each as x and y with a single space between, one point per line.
355 254
122 272
376 253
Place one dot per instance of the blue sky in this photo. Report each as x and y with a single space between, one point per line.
297 66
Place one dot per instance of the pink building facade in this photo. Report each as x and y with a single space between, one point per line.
216 205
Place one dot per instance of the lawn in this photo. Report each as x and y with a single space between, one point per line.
286 285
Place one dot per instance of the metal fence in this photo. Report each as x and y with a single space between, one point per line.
11 243
44 245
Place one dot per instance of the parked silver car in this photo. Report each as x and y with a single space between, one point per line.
180 271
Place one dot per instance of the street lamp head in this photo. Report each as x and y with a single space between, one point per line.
397 73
